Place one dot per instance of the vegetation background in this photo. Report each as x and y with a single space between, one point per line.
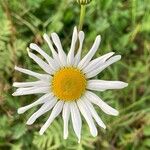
125 28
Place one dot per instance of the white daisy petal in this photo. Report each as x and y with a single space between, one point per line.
102 67
29 84
78 55
50 61
94 113
97 62
31 90
41 100
55 112
61 53
47 39
87 115
44 108
34 74
66 115
70 57
105 107
99 85
90 54
76 119
41 63
54 53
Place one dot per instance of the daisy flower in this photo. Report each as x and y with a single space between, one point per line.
67 85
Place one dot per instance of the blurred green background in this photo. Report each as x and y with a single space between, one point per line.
125 29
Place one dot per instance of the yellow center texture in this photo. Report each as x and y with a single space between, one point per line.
68 84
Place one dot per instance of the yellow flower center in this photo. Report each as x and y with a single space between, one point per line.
68 84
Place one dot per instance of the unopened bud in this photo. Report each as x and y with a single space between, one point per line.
83 2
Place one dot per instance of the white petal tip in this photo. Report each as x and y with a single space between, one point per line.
122 85
112 112
32 45
45 36
112 53
81 36
94 134
125 84
53 34
29 122
79 140
99 37
28 51
20 111
16 67
75 28
65 137
118 57
81 33
41 131
17 93
14 84
104 127
14 94
115 113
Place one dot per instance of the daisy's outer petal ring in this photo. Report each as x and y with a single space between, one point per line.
87 115
97 101
41 100
66 115
89 69
99 85
76 119
44 108
55 112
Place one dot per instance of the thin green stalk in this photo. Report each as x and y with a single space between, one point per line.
82 15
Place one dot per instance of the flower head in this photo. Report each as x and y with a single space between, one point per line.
67 84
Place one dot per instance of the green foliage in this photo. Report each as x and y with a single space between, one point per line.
53 139
125 29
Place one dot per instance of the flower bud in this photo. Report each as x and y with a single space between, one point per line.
83 2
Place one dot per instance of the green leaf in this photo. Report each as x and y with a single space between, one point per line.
146 142
16 146
146 131
19 130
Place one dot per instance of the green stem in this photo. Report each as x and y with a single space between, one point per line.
82 15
